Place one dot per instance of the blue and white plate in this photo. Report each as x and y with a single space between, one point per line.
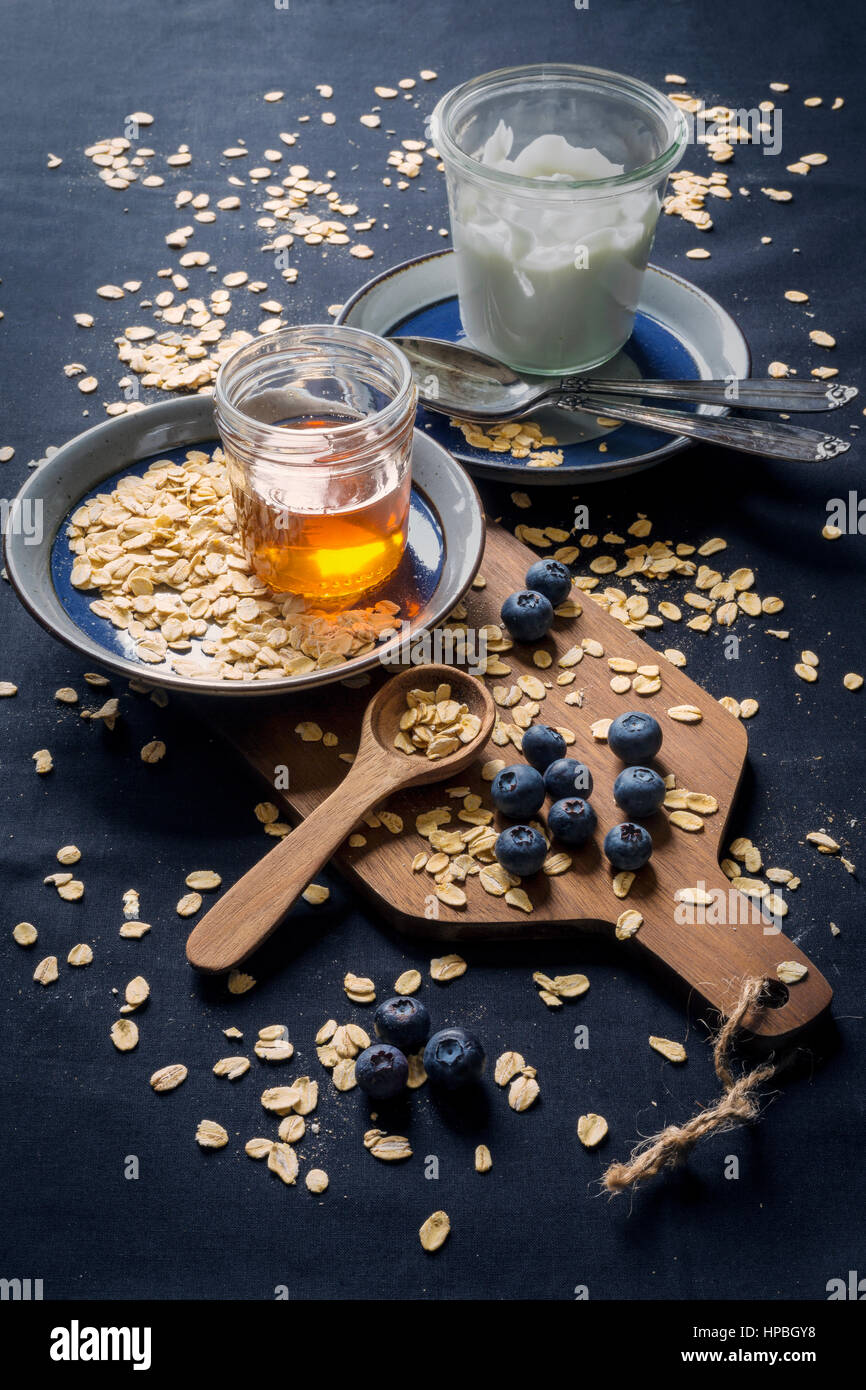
680 332
443 551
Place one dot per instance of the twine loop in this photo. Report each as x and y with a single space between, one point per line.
738 1105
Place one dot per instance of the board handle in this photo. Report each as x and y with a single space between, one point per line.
722 937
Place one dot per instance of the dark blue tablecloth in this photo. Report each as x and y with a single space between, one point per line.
75 1112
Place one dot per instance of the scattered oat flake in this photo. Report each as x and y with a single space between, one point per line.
674 1051
134 930
153 752
343 1075
359 988
685 820
43 760
137 991
508 1065
790 971
308 732
292 1129
408 982
124 1034
189 904
444 968
389 1148
46 971
80 955
483 1159
628 923
523 1092
240 983
825 843
435 1231
591 1129
210 1135
24 933
204 879
315 894
852 681
316 1180
168 1078
622 882
685 714
232 1067
71 892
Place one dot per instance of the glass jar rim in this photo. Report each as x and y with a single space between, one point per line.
321 334
641 93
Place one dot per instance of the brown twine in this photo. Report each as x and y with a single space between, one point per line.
738 1105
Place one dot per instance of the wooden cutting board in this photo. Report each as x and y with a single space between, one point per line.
712 956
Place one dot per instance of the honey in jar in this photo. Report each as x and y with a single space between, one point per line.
317 425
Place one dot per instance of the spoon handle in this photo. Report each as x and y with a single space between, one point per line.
253 907
767 438
752 393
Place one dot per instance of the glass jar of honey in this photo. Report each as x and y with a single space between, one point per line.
316 424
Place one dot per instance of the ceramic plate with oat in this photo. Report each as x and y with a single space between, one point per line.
443 552
680 333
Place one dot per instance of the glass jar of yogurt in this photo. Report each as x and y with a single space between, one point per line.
555 179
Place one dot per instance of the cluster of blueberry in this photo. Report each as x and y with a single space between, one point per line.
528 613
519 792
452 1057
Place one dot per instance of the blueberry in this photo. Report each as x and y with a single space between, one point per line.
628 846
635 737
542 746
639 791
382 1071
551 578
572 820
518 791
527 615
520 850
567 777
453 1058
404 1022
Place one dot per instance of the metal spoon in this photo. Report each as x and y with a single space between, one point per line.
465 384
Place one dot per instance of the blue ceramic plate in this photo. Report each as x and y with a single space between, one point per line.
679 332
444 548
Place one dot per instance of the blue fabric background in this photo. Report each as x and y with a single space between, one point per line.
216 1225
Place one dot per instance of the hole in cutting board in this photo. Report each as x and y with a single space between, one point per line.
774 994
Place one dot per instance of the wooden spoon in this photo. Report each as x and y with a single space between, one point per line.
247 914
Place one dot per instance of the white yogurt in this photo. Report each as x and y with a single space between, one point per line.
549 284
